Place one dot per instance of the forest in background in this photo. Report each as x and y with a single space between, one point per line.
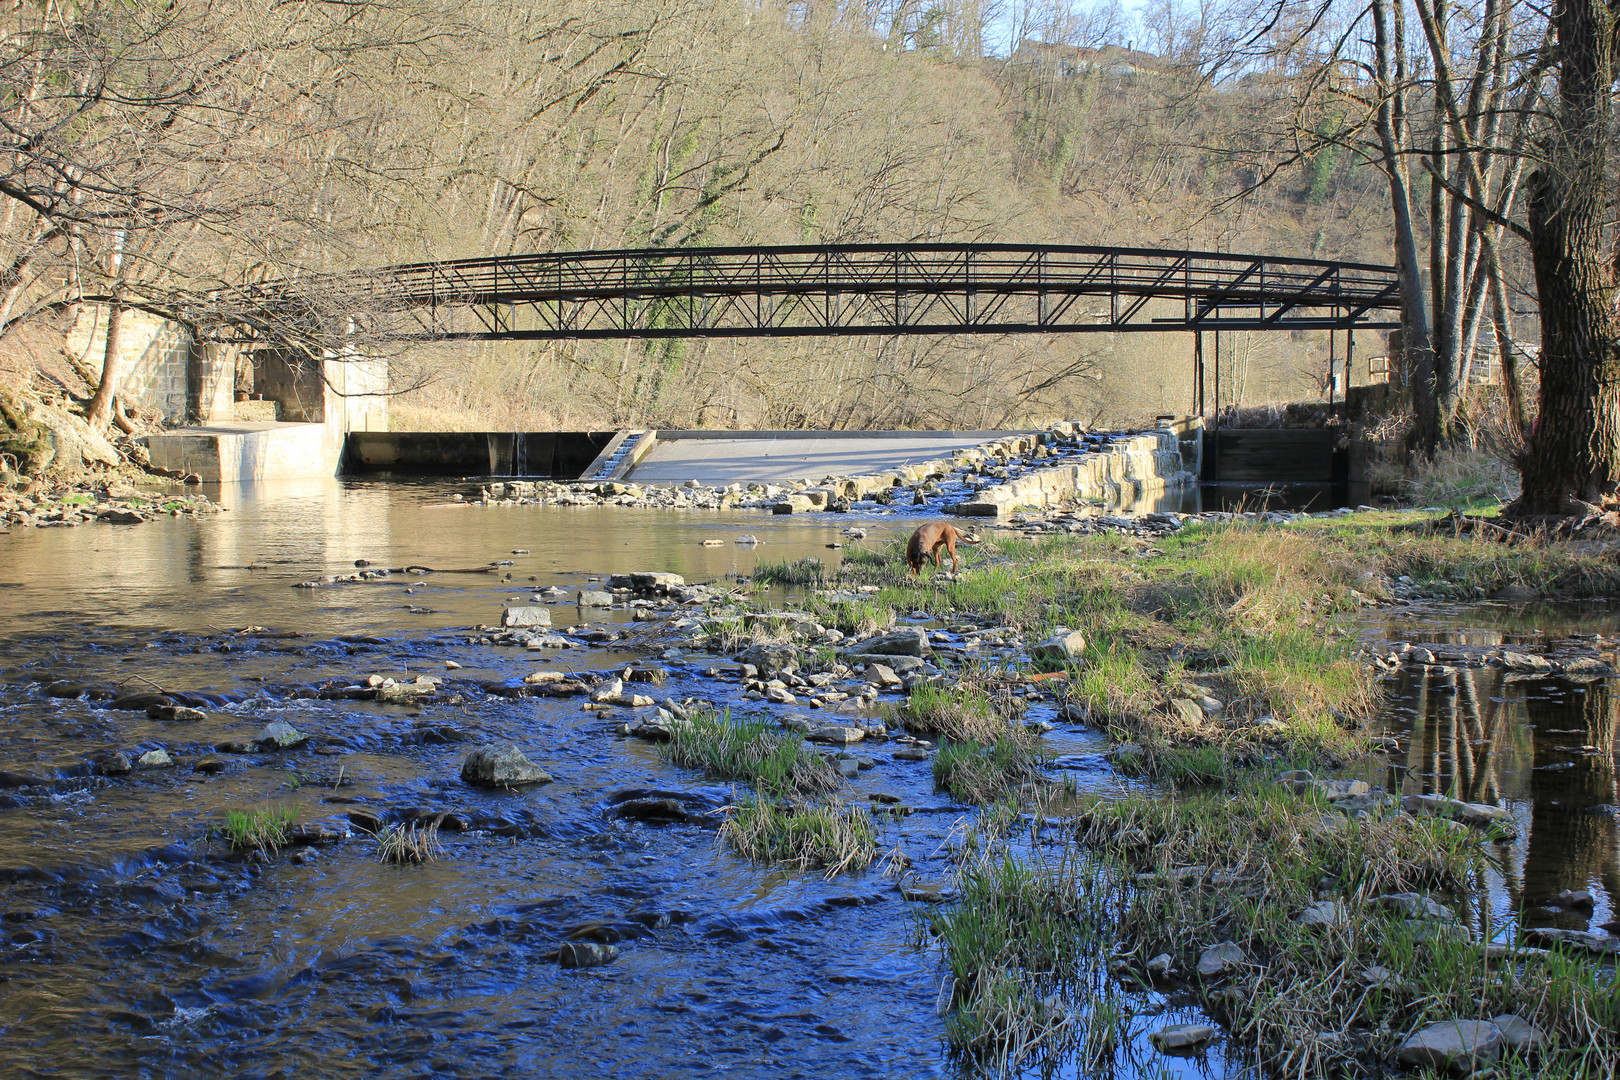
174 151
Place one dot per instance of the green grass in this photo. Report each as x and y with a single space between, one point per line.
810 571
1026 942
751 749
830 836
851 616
961 712
261 830
981 773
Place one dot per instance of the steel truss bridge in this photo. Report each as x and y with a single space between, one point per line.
857 289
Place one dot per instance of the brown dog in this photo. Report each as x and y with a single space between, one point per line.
926 543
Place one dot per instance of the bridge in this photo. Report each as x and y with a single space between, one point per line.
851 289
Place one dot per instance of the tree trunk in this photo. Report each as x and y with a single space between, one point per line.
1574 451
100 411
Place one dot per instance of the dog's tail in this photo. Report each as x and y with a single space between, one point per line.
969 538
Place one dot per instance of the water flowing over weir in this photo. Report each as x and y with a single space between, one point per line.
133 939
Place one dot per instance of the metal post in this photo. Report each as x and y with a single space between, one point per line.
1333 375
1198 372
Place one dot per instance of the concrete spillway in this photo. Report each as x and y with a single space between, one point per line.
727 457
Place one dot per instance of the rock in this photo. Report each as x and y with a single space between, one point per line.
654 811
1059 648
526 615
407 693
1221 959
1593 941
927 892
500 767
209 766
1479 815
910 753
1326 913
771 661
905 665
593 598
1573 898
647 581
1188 711
1415 906
848 768
836 735
881 675
1587 665
585 954
279 735
175 712
779 695
1527 663
1160 966
1300 780
154 759
1460 1046
1519 1034
1183 1038
1337 790
908 641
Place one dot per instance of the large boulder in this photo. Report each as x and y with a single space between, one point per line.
499 766
906 641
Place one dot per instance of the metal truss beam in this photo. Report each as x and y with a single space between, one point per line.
842 290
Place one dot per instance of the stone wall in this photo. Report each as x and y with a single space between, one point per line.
1131 467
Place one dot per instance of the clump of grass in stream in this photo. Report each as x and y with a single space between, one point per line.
752 749
408 843
851 616
962 713
831 836
1026 942
809 571
262 830
981 773
1243 863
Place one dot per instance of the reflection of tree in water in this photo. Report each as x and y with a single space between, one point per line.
1466 721
1568 846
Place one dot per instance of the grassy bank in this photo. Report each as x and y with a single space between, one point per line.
1219 656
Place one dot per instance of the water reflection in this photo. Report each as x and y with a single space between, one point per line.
1543 746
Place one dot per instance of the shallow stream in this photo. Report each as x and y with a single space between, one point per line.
132 944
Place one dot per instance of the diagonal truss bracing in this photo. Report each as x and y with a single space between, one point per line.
837 290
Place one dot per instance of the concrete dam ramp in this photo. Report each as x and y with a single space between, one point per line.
731 457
